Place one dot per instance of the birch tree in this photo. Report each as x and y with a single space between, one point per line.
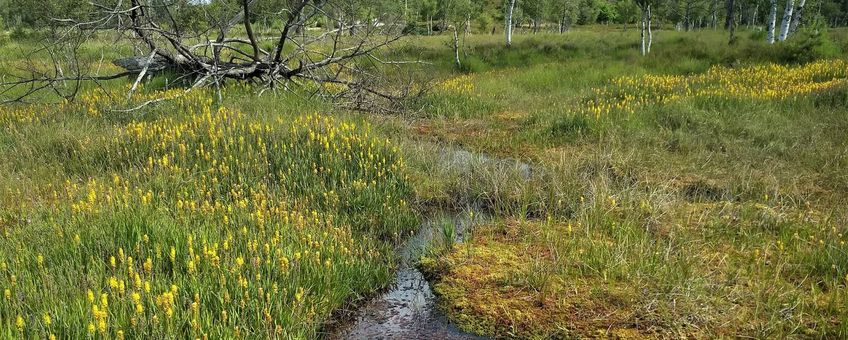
564 12
772 21
457 12
797 15
714 14
787 20
535 10
509 25
645 25
650 33
690 8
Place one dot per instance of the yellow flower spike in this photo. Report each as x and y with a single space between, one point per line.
148 265
20 323
91 328
46 319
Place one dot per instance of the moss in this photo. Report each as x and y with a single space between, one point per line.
497 287
616 279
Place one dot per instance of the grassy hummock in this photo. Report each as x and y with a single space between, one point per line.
190 220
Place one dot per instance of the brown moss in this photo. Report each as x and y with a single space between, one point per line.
487 288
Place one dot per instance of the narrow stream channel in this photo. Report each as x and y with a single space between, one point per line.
408 309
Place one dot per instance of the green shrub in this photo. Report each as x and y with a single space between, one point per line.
808 45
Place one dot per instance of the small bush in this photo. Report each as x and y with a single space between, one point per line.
808 45
415 28
19 33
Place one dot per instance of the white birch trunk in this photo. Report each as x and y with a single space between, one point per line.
650 33
796 17
643 32
509 23
772 21
714 17
787 20
754 19
456 48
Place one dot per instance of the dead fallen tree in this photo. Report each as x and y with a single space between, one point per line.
336 60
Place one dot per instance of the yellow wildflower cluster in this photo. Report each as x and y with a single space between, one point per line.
91 103
760 82
462 85
210 222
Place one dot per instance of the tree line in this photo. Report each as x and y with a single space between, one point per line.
481 16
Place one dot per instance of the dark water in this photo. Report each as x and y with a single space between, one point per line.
407 310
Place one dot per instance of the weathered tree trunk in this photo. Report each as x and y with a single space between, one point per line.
687 20
729 22
787 20
509 23
797 16
772 21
